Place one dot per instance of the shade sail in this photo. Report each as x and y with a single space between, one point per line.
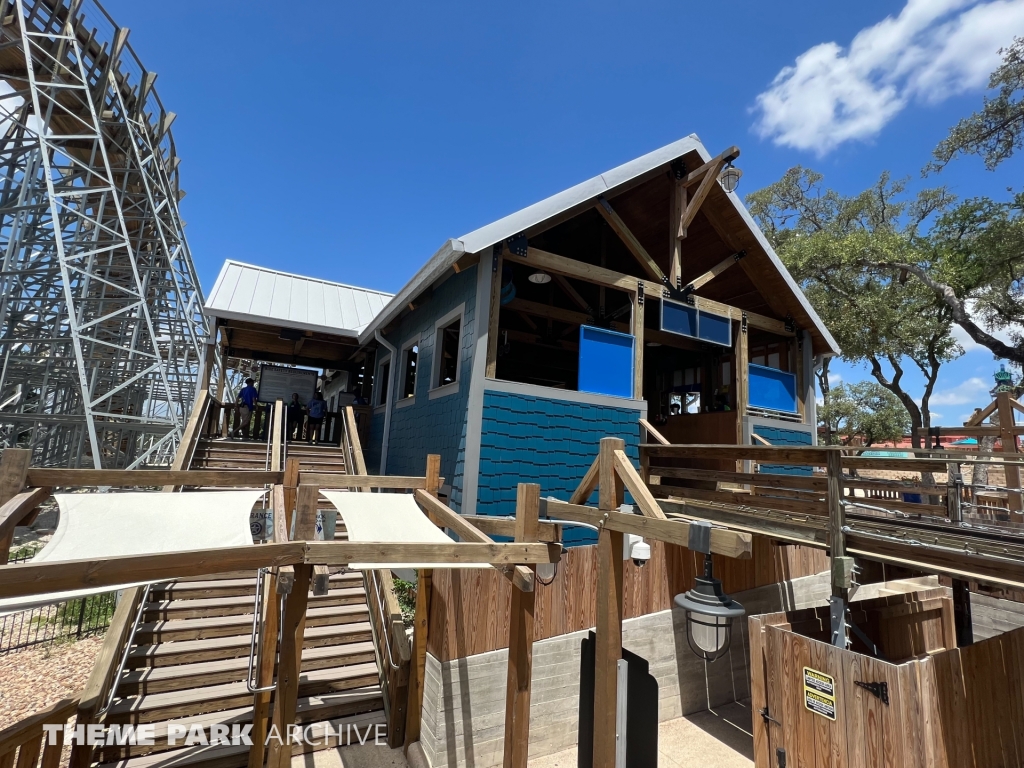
391 517
95 526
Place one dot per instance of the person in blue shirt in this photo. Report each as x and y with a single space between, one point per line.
247 404
315 417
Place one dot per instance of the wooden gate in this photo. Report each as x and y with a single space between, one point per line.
816 705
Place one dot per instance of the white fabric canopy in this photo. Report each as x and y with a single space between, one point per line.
389 517
94 526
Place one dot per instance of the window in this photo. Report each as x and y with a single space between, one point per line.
696 323
446 362
383 381
408 382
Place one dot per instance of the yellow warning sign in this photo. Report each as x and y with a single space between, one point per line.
820 693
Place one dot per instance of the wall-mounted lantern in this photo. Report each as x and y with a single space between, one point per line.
730 177
709 611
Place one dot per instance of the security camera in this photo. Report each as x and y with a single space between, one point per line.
641 553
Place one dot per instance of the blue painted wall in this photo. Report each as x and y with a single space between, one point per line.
439 425
552 442
782 436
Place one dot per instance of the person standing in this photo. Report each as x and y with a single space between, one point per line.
247 404
294 418
316 410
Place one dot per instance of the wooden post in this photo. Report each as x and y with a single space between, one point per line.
608 649
279 754
417 668
495 310
675 243
741 357
520 640
13 470
1009 440
638 343
841 566
421 619
291 482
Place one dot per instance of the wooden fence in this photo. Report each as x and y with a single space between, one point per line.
469 609
941 706
22 743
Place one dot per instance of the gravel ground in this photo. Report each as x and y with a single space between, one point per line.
32 680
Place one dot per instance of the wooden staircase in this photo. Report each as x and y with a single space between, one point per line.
190 659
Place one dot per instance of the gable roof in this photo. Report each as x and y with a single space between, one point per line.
256 294
578 198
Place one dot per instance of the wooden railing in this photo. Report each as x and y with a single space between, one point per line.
22 743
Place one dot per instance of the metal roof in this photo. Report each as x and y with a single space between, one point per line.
480 239
260 295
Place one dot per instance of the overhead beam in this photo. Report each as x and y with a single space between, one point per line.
698 197
629 240
573 294
551 262
698 175
556 313
699 282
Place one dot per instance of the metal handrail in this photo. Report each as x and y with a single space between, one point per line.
127 650
256 648
386 630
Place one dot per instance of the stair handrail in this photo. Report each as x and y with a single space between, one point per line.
190 437
255 644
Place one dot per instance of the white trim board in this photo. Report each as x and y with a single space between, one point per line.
569 396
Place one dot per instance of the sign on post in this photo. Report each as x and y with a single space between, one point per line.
820 693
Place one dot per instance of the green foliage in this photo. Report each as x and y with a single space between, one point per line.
865 410
997 130
405 591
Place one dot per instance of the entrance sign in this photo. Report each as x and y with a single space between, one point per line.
820 693
278 382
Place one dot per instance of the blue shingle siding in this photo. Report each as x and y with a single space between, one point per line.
439 425
371 451
551 442
780 436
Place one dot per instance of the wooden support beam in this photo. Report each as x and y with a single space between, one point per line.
358 462
494 305
506 526
675 245
418 665
13 472
573 294
698 175
587 485
1009 441
741 377
279 755
549 312
726 542
658 437
637 329
632 480
715 271
277 436
432 479
698 197
609 594
341 480
520 640
632 244
265 670
151 478
983 414
291 479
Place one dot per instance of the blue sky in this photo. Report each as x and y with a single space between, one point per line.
348 141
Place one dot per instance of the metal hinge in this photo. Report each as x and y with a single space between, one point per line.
880 690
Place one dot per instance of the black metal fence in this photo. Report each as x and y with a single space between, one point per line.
56 623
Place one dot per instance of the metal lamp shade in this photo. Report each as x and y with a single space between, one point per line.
709 616
730 178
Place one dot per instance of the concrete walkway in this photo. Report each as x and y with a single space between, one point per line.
721 738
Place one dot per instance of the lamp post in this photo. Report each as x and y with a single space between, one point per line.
709 611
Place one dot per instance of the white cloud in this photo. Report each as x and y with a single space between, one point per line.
968 391
834 378
932 50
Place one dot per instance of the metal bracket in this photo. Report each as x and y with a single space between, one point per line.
790 324
678 169
517 244
743 323
496 257
837 617
740 255
640 294
879 690
699 537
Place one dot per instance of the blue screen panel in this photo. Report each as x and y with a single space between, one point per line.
772 388
678 318
606 362
715 328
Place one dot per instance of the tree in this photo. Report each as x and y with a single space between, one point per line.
865 410
997 130
878 316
